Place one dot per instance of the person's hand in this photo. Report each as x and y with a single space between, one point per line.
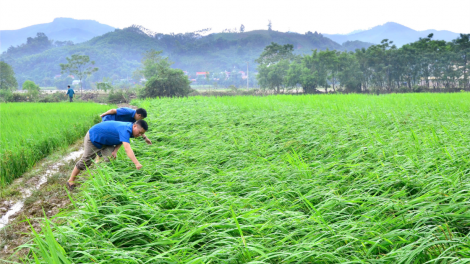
138 166
148 141
101 115
114 154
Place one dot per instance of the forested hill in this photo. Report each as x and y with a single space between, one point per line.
118 53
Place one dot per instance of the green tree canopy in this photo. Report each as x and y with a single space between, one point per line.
274 52
163 81
7 77
32 88
153 63
273 76
168 83
80 66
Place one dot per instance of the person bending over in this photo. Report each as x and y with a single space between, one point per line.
125 114
107 138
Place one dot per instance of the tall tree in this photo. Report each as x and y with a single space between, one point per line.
167 83
462 47
80 66
330 58
7 77
270 25
274 53
273 76
242 28
350 74
162 80
153 63
316 64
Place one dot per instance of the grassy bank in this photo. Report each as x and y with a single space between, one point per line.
30 131
281 179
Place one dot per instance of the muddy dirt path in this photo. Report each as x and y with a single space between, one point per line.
13 208
40 190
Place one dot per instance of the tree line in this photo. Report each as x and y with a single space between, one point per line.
426 64
117 54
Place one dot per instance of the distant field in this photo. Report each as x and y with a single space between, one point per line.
282 179
48 88
30 131
201 86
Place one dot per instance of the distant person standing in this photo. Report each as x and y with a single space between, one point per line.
70 93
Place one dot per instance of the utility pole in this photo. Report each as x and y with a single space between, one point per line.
247 76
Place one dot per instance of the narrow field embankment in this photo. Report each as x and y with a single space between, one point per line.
30 131
280 179
39 193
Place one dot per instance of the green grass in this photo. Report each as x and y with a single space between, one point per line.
281 179
30 131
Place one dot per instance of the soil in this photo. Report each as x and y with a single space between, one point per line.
49 199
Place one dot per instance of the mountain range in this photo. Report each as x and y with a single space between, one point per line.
399 34
61 29
117 52
69 29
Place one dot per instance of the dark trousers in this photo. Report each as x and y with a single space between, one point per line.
71 98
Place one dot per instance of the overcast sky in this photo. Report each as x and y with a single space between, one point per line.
178 16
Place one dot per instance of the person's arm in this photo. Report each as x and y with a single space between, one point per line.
109 112
130 154
115 151
147 139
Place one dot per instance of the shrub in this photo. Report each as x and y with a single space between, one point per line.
419 89
403 89
33 90
116 97
6 95
53 98
172 82
19 97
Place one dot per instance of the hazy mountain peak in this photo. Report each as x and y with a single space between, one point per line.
396 32
61 28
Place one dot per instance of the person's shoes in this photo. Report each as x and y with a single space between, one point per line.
71 187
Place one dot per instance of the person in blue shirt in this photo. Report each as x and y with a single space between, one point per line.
107 138
70 93
125 114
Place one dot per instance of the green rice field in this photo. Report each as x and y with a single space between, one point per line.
30 131
280 179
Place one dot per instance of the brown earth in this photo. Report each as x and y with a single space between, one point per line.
50 199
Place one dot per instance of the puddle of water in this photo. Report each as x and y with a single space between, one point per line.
43 179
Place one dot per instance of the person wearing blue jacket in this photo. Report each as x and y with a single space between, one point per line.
107 138
70 93
126 114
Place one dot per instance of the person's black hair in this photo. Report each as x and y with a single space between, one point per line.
142 124
141 112
68 86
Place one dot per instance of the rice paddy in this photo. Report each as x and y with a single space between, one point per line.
30 131
280 179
